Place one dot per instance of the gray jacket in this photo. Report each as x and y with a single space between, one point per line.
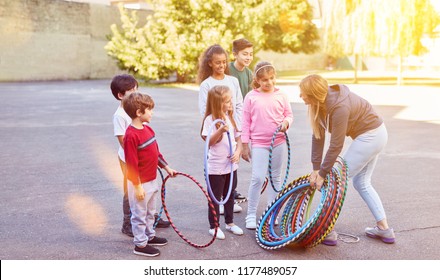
347 115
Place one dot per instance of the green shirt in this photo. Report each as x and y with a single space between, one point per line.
244 78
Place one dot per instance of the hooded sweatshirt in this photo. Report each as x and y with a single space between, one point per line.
347 115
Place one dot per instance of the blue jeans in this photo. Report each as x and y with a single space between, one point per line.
361 159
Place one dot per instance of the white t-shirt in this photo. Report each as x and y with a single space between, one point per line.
219 160
121 121
237 97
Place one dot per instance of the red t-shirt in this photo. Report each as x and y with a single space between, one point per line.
142 154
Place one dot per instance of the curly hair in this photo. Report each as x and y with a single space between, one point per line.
205 70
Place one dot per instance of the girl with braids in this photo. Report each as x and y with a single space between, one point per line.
265 109
219 106
344 113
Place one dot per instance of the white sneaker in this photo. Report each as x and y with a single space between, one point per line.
234 229
220 234
237 208
251 223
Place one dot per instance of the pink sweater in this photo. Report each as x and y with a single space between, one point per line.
263 113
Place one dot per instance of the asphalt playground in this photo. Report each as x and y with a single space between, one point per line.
61 196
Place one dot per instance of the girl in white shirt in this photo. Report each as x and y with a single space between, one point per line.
219 106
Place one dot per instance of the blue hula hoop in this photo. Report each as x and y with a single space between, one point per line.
297 226
161 208
270 160
225 199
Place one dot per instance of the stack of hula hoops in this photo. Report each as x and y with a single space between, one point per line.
297 225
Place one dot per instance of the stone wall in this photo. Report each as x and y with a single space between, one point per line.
55 40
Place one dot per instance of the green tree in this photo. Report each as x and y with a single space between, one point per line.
377 28
180 30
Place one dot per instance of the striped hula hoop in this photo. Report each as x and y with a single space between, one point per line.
161 207
286 177
211 207
206 169
297 226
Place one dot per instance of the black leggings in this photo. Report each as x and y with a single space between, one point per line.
219 187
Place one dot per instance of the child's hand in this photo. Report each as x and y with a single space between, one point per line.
235 156
284 126
170 171
139 192
224 128
246 153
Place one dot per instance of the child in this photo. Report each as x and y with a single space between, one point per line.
213 70
244 54
122 85
142 157
265 109
219 106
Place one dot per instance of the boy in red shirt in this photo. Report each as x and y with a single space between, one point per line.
142 157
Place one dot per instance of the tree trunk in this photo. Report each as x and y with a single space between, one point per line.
399 71
356 63
181 78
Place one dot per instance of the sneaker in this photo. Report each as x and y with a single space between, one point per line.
158 241
239 196
276 222
127 231
386 235
220 234
161 223
331 239
148 251
237 208
251 223
234 229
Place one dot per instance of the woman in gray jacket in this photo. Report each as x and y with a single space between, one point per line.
344 113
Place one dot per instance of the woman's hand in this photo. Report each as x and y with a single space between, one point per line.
316 181
246 153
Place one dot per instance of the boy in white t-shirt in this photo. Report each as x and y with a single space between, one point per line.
121 86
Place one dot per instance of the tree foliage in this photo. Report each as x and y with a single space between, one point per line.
180 30
377 27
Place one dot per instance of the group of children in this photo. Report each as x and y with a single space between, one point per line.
252 109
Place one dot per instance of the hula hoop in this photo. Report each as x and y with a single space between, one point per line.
161 208
297 226
270 160
208 184
211 207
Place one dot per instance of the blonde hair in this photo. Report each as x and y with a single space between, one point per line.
262 68
214 105
315 88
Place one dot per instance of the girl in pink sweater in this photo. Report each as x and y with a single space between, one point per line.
265 109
